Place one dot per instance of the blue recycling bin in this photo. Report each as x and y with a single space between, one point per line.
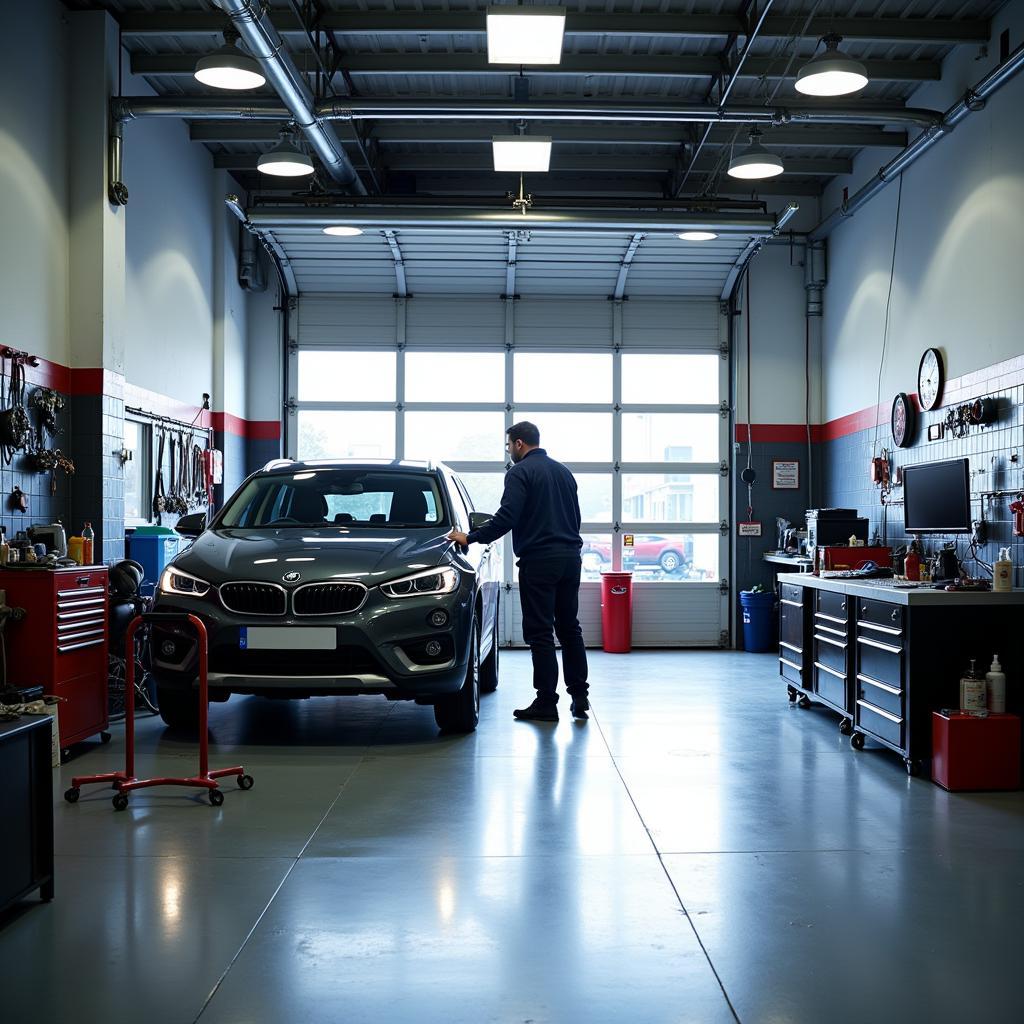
758 620
153 550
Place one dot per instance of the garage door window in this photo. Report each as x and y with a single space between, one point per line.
346 376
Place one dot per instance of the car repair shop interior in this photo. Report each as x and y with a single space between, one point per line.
753 268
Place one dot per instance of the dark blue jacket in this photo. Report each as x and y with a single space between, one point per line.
541 508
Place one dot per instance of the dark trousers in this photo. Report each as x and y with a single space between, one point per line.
549 590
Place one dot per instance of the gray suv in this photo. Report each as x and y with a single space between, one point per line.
326 578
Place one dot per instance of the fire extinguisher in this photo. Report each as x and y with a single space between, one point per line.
1017 508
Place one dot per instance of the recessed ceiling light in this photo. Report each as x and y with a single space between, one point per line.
755 161
229 67
342 231
525 35
285 160
521 152
832 73
697 236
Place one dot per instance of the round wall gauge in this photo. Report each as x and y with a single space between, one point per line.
930 378
902 420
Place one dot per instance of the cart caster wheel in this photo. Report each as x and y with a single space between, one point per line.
913 767
104 737
120 801
845 728
804 702
72 794
245 781
857 741
216 797
791 694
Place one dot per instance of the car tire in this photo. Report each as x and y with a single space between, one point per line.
670 561
178 708
489 666
459 712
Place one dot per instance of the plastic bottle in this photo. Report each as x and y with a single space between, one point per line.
5 550
995 684
87 539
972 691
1002 572
912 565
75 549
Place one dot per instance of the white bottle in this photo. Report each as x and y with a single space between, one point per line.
1002 572
972 691
995 683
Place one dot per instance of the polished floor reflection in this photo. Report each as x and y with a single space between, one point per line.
700 851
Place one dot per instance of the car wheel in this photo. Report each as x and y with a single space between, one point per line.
489 666
178 708
460 711
670 561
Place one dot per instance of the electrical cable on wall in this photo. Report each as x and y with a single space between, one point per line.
888 308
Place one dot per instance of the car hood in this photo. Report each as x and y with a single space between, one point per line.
371 557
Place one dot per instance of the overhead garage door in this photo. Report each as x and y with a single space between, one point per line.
628 395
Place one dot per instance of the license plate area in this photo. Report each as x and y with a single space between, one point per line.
287 638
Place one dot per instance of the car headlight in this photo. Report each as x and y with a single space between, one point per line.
433 581
175 581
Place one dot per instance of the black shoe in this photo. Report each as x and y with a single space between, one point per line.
580 707
538 711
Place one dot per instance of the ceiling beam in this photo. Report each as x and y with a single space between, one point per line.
615 133
391 237
688 26
625 264
616 65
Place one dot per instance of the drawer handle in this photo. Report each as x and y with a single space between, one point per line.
792 604
888 648
80 592
84 613
792 665
829 618
70 627
64 648
65 637
829 640
882 629
882 686
878 711
828 629
792 647
830 671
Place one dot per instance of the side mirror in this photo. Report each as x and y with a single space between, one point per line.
479 519
191 525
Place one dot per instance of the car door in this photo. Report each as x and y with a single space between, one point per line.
488 572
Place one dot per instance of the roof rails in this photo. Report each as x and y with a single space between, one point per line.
278 464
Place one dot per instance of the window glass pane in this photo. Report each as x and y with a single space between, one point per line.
454 377
485 489
576 436
656 558
683 379
133 471
562 377
670 437
667 498
595 494
345 435
450 436
597 555
346 376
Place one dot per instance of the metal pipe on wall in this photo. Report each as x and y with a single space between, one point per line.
973 100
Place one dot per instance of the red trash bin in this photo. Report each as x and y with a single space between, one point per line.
617 612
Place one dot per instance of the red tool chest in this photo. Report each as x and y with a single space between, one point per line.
61 644
975 753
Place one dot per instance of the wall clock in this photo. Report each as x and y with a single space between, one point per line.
930 378
902 420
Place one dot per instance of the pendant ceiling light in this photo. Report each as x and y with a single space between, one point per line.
521 152
755 161
285 160
831 73
229 67
525 35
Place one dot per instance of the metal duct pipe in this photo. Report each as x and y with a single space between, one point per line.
197 108
254 26
117 191
815 277
973 100
467 218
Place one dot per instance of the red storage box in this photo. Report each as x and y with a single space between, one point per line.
841 557
975 753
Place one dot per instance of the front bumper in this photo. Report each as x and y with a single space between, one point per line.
380 648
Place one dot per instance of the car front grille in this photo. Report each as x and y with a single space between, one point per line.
342 661
328 598
254 598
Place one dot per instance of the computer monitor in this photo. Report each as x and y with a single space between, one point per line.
937 497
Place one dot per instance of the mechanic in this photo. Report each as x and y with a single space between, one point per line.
541 508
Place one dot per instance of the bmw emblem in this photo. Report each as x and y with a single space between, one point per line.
291 577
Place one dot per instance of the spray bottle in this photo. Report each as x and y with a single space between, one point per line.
972 691
1002 572
995 684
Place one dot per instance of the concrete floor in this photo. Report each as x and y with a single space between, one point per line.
700 851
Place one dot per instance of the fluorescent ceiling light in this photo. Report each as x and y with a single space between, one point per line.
342 231
832 73
525 35
229 67
755 161
285 160
697 236
521 152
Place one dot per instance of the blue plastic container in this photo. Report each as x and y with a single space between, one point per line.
758 620
153 551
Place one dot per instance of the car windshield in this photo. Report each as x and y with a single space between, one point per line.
337 497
